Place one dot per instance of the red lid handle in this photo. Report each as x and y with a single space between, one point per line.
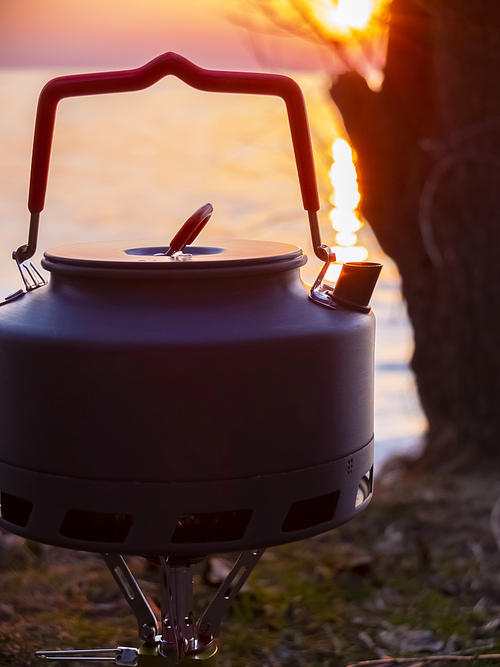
197 77
190 229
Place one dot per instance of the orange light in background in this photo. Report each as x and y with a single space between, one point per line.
347 14
361 27
341 16
344 216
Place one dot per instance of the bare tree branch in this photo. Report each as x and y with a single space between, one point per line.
297 18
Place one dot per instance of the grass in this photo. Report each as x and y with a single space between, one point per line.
418 572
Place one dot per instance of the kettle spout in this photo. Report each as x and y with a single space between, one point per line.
355 284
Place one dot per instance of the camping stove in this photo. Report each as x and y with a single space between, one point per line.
176 638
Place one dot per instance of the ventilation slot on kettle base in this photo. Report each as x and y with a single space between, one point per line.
365 488
311 512
96 526
15 510
211 527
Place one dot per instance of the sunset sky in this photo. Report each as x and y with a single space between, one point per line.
128 33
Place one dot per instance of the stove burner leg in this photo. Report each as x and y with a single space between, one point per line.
146 620
182 642
209 624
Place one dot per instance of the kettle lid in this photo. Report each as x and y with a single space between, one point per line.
146 258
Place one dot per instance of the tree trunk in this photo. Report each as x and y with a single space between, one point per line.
428 152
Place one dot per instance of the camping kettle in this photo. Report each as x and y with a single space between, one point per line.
190 399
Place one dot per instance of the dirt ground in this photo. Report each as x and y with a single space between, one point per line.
417 574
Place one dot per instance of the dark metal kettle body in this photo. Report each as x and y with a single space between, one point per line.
188 404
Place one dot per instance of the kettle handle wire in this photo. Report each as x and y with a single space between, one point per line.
197 77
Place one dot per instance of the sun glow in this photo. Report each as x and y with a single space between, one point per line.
348 14
357 29
344 216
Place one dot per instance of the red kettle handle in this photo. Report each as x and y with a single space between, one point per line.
145 76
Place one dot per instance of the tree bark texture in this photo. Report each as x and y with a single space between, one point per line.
428 159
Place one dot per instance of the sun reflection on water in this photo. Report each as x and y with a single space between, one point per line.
344 215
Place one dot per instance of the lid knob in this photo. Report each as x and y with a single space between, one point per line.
189 230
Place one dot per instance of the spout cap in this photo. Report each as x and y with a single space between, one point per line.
355 284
